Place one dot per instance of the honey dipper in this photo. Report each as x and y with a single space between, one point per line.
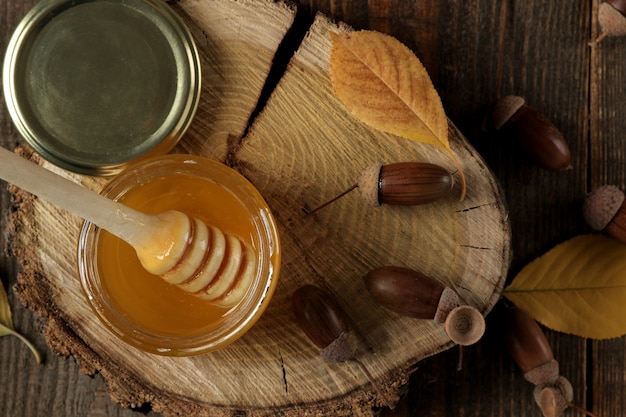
184 251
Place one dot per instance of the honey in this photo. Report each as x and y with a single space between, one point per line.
145 310
147 299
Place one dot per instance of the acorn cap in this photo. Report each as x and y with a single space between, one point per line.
504 109
368 184
611 20
448 301
341 349
544 374
554 399
619 5
465 325
601 205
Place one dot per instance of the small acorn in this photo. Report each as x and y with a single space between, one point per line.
529 348
413 294
402 183
541 140
605 209
323 320
612 19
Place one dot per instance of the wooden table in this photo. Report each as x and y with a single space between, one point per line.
474 51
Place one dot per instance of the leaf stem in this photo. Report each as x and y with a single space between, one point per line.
461 174
8 330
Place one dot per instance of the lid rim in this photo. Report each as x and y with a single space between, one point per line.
178 113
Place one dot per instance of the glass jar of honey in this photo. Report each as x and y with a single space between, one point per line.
143 309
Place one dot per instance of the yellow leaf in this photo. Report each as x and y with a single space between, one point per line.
384 85
578 287
6 323
5 311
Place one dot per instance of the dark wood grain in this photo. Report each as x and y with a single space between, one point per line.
606 165
544 57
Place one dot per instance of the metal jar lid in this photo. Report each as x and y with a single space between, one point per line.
93 85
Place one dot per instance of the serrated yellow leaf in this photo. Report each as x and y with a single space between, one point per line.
577 287
382 82
384 85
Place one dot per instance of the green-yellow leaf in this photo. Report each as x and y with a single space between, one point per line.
6 323
578 287
5 309
384 85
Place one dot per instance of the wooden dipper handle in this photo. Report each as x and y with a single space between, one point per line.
114 217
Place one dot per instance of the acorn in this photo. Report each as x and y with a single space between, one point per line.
529 348
605 209
612 19
412 294
322 319
402 183
541 140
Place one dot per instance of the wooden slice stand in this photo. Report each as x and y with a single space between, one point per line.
303 149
